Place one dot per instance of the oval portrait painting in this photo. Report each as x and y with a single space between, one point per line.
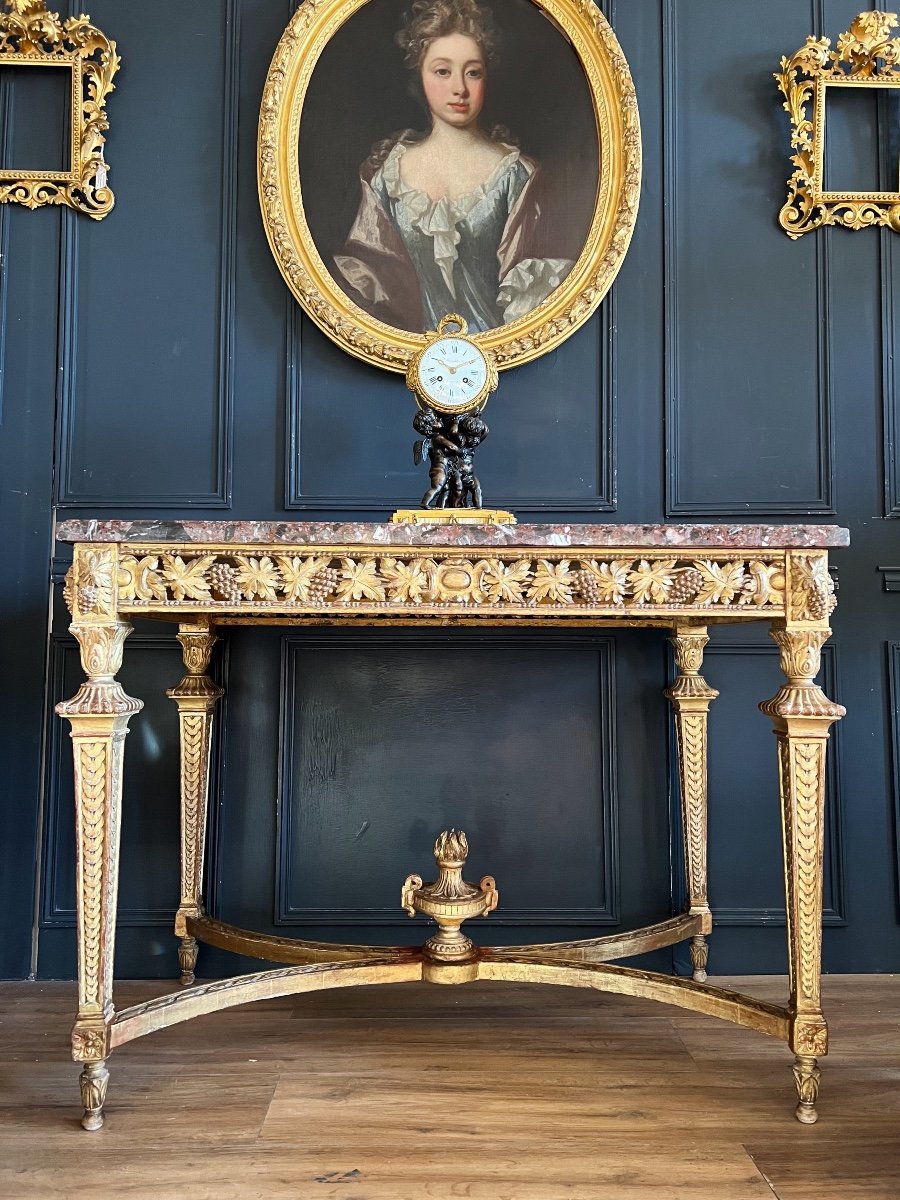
447 156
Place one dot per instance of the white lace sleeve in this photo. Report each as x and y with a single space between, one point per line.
529 283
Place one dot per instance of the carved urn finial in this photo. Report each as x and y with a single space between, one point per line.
450 900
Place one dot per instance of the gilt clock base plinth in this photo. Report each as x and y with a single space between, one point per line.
452 516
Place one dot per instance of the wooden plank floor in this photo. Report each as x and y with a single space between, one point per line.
492 1092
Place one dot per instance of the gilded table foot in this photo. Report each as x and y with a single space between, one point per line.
187 959
699 957
93 1080
806 1077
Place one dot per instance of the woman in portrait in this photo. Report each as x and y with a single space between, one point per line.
454 219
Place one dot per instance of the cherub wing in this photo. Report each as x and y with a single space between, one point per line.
420 449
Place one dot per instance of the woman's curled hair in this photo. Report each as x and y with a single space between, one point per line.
430 19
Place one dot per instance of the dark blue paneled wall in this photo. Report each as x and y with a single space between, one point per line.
153 364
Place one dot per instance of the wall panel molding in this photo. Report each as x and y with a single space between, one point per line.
70 493
677 505
606 912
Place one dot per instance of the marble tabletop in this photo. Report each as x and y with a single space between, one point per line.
360 533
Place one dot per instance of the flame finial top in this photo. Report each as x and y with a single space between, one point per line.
451 848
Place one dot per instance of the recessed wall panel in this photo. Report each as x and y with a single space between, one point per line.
146 298
550 448
748 392
386 743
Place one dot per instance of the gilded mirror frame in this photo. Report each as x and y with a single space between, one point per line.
865 56
30 36
544 328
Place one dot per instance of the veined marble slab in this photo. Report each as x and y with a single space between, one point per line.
362 533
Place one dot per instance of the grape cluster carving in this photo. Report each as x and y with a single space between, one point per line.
372 579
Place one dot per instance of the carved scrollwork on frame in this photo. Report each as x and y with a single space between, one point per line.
30 36
866 55
418 579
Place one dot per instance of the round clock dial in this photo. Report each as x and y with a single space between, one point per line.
452 374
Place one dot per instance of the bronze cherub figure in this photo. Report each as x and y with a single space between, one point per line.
450 443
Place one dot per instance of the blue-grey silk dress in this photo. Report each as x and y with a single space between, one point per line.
453 243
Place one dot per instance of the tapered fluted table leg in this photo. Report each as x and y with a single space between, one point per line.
691 697
99 717
802 715
196 697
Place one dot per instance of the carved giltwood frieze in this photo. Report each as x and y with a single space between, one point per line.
417 578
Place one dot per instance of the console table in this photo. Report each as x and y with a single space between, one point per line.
202 575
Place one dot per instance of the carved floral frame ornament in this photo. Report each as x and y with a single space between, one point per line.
30 36
569 305
865 56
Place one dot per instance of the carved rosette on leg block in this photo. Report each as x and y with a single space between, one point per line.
449 954
98 716
802 715
691 697
196 696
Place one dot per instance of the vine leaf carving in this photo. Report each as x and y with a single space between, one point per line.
187 579
360 580
502 581
416 578
298 573
407 582
721 582
258 577
552 581
650 581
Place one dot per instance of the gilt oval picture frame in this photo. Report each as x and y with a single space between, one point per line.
413 161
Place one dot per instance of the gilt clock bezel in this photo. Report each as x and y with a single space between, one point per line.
445 333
